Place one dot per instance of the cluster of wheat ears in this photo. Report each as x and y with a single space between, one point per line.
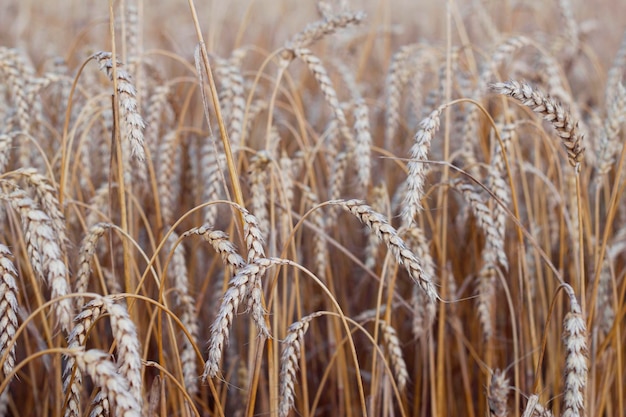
354 217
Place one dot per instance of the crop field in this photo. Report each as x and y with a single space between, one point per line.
310 208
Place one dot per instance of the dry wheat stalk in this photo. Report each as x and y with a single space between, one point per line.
386 233
44 252
498 393
8 308
292 345
127 102
238 291
392 344
418 167
551 111
104 375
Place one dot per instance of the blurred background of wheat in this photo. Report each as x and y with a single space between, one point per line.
418 210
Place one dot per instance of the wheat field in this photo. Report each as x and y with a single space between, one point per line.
312 208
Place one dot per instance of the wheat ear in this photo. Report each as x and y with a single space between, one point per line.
387 234
292 345
104 374
576 370
237 292
8 308
127 102
551 111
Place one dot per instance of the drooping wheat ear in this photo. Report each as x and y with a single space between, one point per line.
238 291
128 348
72 378
180 282
397 76
551 111
8 307
362 150
493 251
46 196
387 234
292 345
417 165
498 393
17 76
314 64
609 141
104 374
258 176
86 252
424 308
128 104
221 244
576 370
317 30
534 409
392 343
44 252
